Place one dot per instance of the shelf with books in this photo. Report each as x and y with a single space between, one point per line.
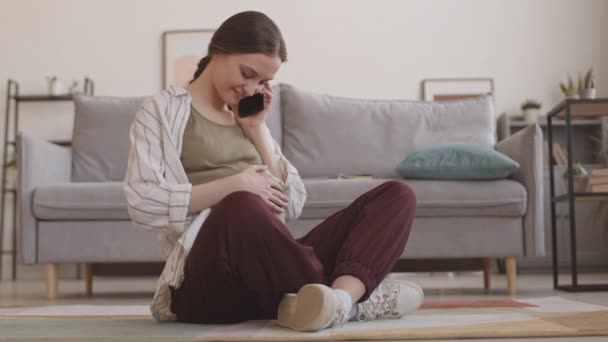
580 184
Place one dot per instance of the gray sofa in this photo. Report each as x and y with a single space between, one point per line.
72 209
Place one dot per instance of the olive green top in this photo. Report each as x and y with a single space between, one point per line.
213 151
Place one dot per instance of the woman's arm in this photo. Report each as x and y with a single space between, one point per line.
269 157
294 187
257 131
152 202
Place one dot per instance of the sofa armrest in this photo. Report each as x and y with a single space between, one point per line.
502 127
38 162
526 148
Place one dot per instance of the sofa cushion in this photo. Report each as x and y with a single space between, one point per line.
106 201
457 162
435 198
101 137
324 136
80 201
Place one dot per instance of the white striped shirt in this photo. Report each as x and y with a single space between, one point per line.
157 189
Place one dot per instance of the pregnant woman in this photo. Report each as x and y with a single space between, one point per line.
217 187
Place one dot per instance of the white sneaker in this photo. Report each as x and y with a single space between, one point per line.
390 300
313 308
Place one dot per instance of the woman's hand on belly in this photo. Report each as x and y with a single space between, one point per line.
252 180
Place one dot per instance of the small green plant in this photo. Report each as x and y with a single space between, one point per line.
11 163
577 170
530 104
587 82
584 82
568 88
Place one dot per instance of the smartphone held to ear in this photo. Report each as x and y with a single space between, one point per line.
251 105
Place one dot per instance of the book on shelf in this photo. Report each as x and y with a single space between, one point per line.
599 172
560 155
599 188
595 180
598 180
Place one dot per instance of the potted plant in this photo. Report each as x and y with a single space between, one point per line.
568 89
587 86
580 177
55 86
530 110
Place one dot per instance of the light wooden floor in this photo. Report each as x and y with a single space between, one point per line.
438 286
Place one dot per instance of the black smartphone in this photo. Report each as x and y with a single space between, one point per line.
251 105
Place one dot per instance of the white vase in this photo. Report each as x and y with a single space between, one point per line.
587 93
531 115
56 88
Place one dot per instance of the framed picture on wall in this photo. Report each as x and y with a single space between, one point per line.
445 89
182 50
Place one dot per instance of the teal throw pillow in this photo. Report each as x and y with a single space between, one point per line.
457 162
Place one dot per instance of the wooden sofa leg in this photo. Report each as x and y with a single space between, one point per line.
88 279
487 269
511 269
51 272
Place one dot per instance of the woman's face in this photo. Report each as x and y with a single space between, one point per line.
239 75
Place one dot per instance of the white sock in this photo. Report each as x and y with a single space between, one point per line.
345 299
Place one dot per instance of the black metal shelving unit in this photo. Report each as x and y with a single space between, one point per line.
13 99
566 111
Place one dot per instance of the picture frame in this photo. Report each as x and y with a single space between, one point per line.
445 89
181 52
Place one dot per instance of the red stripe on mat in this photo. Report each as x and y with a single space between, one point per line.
465 304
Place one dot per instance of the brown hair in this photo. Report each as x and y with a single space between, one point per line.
245 32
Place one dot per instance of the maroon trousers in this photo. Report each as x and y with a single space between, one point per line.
244 259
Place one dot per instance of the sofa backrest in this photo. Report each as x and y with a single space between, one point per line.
100 142
321 135
324 135
274 119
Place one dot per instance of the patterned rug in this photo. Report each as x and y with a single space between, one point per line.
540 317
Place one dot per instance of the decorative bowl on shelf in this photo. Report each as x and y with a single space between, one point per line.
580 178
580 182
